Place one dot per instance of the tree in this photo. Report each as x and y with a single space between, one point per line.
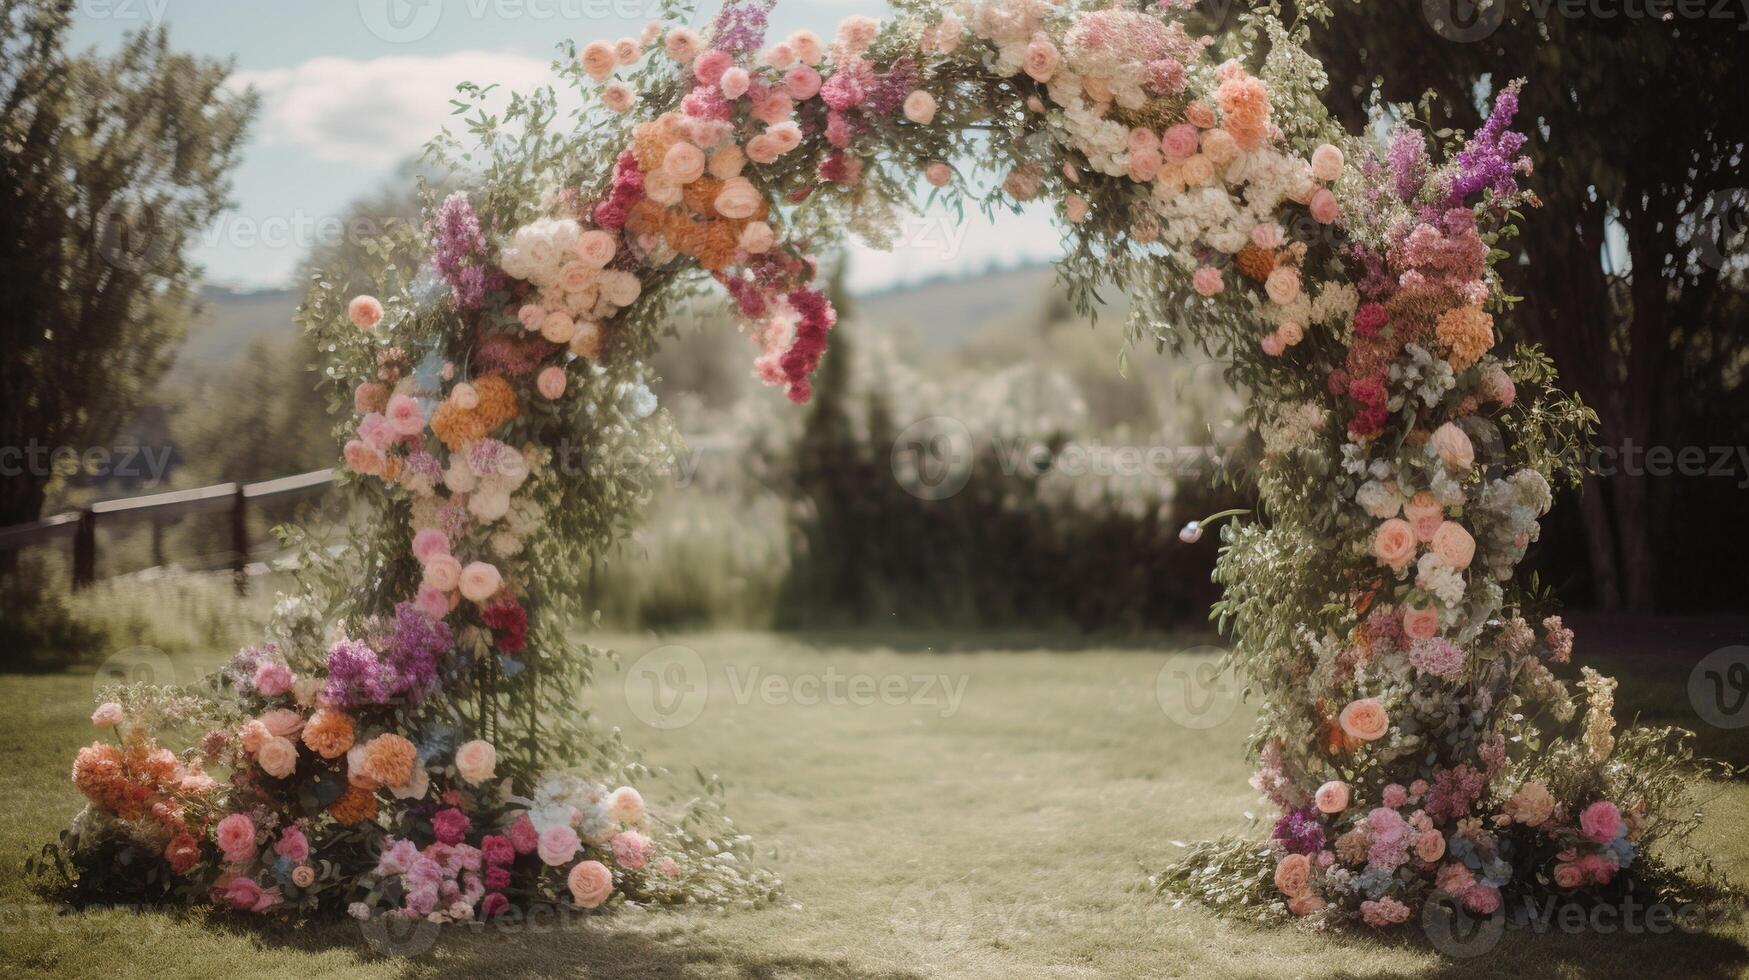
1633 273
108 166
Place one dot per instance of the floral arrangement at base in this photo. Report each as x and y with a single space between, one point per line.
403 742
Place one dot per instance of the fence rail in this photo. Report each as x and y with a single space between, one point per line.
81 525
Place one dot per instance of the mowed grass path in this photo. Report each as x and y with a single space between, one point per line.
999 835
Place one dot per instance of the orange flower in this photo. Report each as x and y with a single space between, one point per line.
700 194
329 733
1466 333
1255 263
355 805
389 759
459 427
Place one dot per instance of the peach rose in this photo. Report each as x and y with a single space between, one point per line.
1283 285
443 572
557 326
557 845
478 581
475 760
591 884
1326 163
1430 847
1569 875
598 60
1042 59
763 149
1394 543
618 96
1324 206
683 162
1219 147
1304 904
1197 169
1425 515
625 51
727 161
1332 797
303 876
282 722
596 248
1364 719
255 735
626 805
920 107
738 199
938 174
107 715
1293 876
278 757
757 238
1421 622
1453 546
1453 447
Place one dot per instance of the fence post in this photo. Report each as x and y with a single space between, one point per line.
85 550
240 540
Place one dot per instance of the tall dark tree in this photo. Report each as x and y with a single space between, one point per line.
108 166
1633 271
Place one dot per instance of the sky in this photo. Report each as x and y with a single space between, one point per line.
352 88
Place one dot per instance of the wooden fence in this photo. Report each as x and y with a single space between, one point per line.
81 525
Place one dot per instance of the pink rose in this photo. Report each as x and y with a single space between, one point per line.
370 396
618 96
734 83
1272 344
430 543
1293 875
920 107
236 837
361 458
1394 543
938 174
476 760
591 884
738 199
1569 875
443 572
626 805
365 312
294 845
1600 821
1324 206
107 715
596 248
708 67
683 162
1042 59
1207 280
432 602
1332 797
1326 163
1453 546
558 844
551 382
1179 142
757 238
272 678
478 581
1421 622
630 849
282 722
802 83
1364 719
682 44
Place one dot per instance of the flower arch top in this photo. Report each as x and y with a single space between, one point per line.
404 720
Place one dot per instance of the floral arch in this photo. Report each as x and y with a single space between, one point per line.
399 743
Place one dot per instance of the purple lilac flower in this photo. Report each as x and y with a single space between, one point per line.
415 646
1453 791
740 25
1408 160
1490 158
1437 656
1299 831
455 239
356 676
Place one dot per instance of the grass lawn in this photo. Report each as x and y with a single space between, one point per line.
983 809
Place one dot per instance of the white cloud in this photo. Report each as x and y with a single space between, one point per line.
377 112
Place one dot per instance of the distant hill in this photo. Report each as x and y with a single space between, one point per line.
230 321
942 313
